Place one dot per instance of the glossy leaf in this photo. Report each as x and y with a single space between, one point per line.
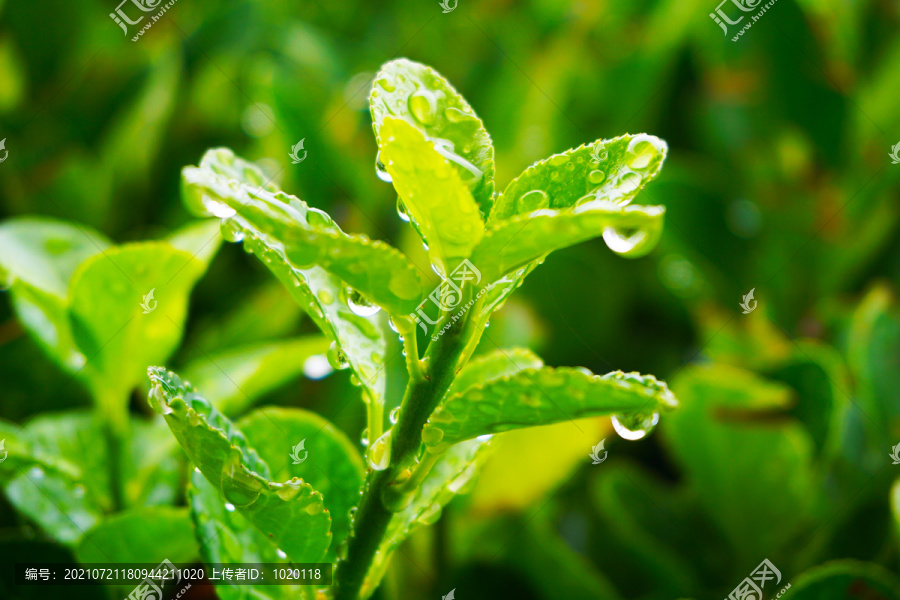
615 170
729 419
321 293
328 461
310 238
127 538
425 99
37 259
432 191
116 323
226 536
542 397
292 514
630 231
235 379
482 369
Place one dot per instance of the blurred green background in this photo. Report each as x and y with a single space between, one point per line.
778 179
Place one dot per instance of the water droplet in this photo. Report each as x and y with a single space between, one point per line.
386 84
281 553
318 218
378 456
423 106
622 243
394 416
401 211
432 436
231 230
533 200
628 183
316 367
325 296
314 508
641 152
636 425
229 507
336 358
360 305
381 171
364 439
238 486
455 115
596 176
218 209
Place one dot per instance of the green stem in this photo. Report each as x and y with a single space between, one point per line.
113 414
421 398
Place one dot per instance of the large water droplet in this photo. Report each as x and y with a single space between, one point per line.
364 438
641 152
360 305
336 358
622 243
423 106
394 416
218 209
386 84
238 486
533 200
317 218
231 230
378 456
628 183
402 212
636 425
381 171
596 176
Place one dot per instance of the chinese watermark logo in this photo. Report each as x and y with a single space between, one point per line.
4 453
445 4
748 303
6 152
595 453
148 588
149 304
894 154
295 150
895 455
452 593
745 6
123 20
752 587
295 452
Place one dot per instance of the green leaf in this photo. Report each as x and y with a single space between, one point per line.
116 334
292 514
310 238
329 461
482 369
155 472
615 170
322 293
630 231
233 380
843 579
227 537
430 188
57 503
728 421
37 259
540 397
420 95
127 538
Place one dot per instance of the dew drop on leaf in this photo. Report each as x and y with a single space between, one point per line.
622 243
423 106
364 439
281 553
231 230
381 171
360 305
317 218
596 176
533 200
636 425
641 152
402 212
336 358
325 296
431 515
394 416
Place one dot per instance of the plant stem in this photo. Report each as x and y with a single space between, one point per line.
422 396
